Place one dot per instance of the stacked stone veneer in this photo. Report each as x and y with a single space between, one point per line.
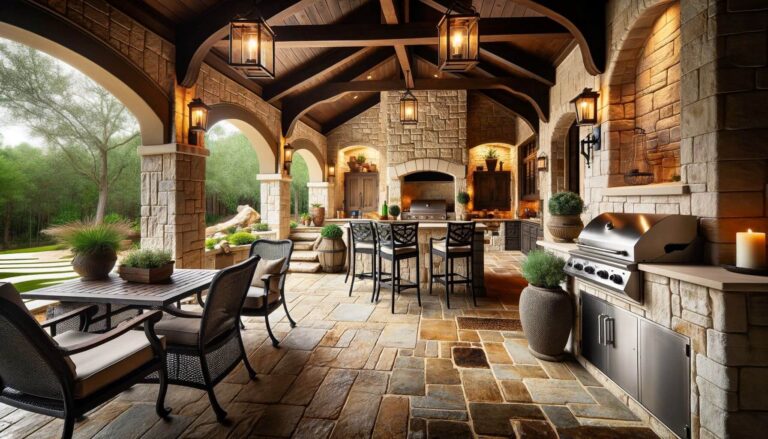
489 122
173 201
275 203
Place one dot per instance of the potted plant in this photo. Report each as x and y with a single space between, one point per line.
318 214
491 158
94 246
306 219
394 211
146 266
565 221
331 251
463 199
353 166
546 310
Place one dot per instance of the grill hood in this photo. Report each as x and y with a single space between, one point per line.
634 237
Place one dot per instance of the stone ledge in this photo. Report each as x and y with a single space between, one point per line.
173 148
319 184
558 247
273 177
649 189
710 276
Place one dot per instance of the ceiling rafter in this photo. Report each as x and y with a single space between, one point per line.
519 61
391 17
294 106
359 108
201 33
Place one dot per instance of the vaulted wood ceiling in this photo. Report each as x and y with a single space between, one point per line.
334 56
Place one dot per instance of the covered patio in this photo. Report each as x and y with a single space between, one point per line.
616 147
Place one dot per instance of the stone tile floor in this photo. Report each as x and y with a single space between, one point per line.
352 369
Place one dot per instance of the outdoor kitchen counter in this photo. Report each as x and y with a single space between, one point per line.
432 229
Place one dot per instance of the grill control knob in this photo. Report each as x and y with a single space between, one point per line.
578 266
590 270
615 278
602 274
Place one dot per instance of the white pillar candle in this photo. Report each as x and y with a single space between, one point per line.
750 249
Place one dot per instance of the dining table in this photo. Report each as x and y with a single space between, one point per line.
114 291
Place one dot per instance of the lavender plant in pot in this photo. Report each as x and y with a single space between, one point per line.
546 310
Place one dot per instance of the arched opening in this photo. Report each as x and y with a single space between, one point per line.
305 168
257 133
231 170
492 189
565 167
398 173
358 178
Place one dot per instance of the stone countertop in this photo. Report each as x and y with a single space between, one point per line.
561 247
423 224
503 220
710 276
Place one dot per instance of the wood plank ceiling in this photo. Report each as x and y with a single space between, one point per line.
327 49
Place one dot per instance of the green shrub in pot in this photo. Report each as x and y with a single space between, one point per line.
463 199
331 251
394 211
491 159
565 222
546 310
94 245
146 266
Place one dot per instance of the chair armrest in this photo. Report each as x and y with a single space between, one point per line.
268 277
150 318
177 312
86 312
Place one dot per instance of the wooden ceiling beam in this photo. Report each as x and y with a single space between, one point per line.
408 34
390 14
519 61
356 110
325 63
195 38
294 106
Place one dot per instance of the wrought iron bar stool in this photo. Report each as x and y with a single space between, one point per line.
398 241
458 243
363 241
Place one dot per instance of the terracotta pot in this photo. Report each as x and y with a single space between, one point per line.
307 223
491 164
318 216
332 254
547 318
94 266
353 166
565 228
146 275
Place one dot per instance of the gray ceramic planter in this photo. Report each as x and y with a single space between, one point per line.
547 318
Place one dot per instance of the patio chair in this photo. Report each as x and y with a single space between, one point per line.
202 348
275 261
458 243
398 241
74 372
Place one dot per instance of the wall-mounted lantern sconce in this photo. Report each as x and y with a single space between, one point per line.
331 170
542 163
458 39
287 157
409 109
585 105
252 47
198 121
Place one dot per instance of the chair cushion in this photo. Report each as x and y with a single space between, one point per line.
268 266
399 250
440 246
255 298
364 245
179 331
103 365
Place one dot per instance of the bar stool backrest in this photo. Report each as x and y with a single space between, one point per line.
362 232
461 234
398 234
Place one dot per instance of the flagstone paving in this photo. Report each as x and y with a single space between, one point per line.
351 369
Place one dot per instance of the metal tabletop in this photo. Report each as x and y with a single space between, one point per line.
116 291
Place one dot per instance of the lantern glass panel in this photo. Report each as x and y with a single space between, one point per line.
585 105
252 48
409 109
458 42
198 115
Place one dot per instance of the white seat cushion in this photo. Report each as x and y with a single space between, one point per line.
399 250
103 365
180 331
368 245
255 298
268 266
440 246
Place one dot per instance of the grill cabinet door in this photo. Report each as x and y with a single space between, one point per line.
665 370
620 329
592 316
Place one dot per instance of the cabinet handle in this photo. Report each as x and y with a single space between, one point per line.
609 328
600 328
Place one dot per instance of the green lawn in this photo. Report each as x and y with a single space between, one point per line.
30 285
45 248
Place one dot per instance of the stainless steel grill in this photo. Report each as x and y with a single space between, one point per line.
427 210
612 244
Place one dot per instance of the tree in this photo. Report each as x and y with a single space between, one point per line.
12 187
231 170
70 112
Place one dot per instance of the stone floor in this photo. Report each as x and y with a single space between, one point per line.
351 369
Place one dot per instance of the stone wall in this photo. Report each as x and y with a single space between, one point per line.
489 122
275 203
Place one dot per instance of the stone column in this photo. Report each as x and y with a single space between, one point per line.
276 202
321 192
173 201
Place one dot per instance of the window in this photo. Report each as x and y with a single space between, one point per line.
528 174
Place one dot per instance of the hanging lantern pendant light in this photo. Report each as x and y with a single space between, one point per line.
409 108
458 39
252 46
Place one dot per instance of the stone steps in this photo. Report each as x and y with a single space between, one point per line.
304 267
299 246
303 236
304 256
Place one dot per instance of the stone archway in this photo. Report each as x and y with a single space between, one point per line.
395 174
253 128
558 160
133 88
312 155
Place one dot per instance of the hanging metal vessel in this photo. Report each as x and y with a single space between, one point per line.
639 170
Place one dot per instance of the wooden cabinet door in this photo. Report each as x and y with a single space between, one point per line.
492 190
361 191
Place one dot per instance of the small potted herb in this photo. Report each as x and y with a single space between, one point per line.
332 252
491 158
146 266
394 211
306 219
463 199
546 310
565 210
93 245
318 214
